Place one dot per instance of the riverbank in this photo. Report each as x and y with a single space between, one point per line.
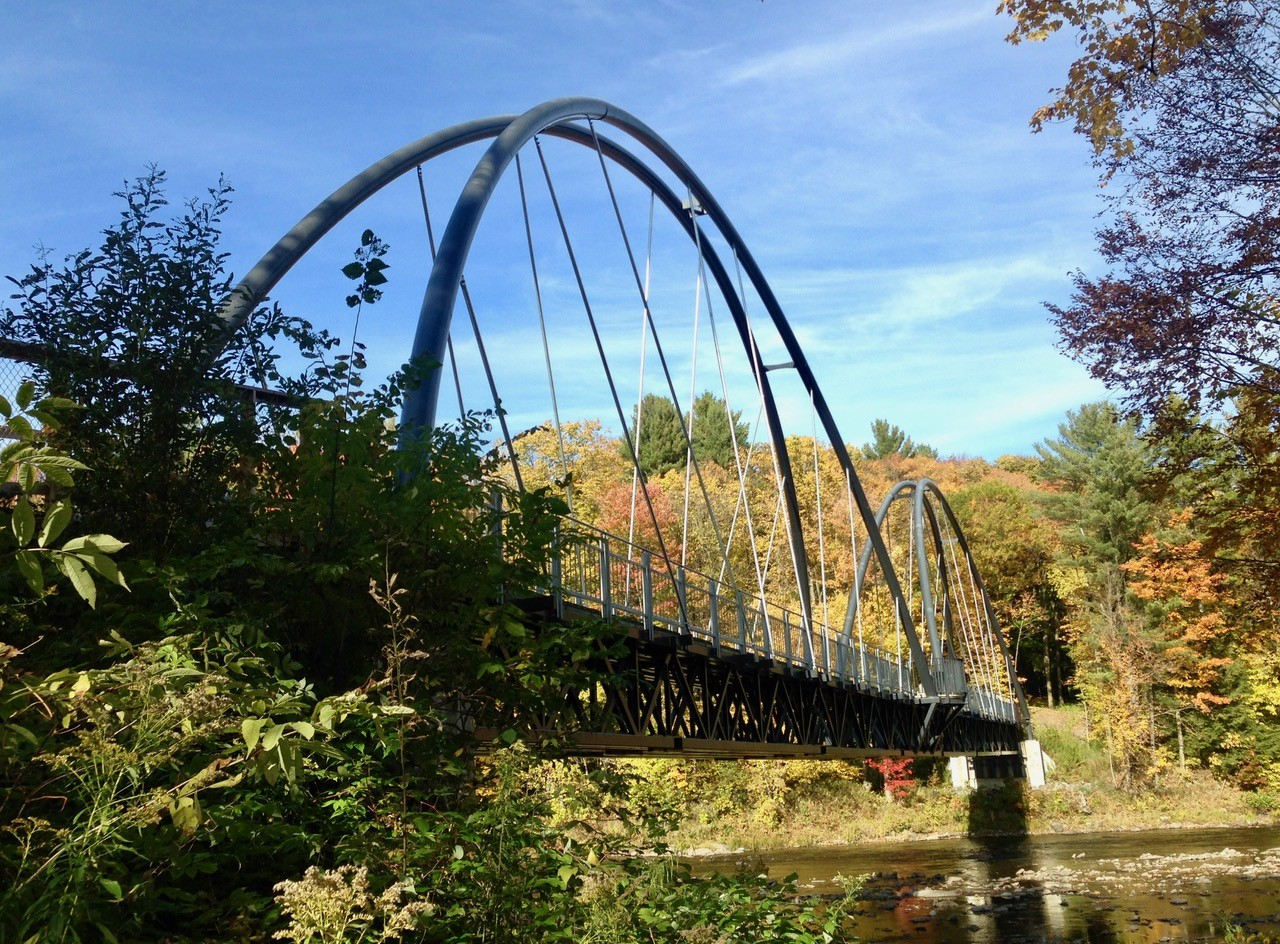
851 814
761 806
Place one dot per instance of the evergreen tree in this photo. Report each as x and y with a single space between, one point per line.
662 444
887 440
1102 467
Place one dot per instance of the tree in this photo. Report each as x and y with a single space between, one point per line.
1126 47
1014 547
1179 102
1101 467
1185 602
662 444
130 331
887 440
715 436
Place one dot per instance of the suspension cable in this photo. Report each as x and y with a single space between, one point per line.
657 344
493 385
608 373
644 348
817 487
546 346
693 390
431 241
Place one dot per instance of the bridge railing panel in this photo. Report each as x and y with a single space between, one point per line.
600 571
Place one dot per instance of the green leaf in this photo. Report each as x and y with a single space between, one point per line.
23 733
353 270
80 579
26 393
56 519
6 408
305 728
566 872
60 476
103 565
28 566
186 814
52 460
22 427
58 403
272 737
112 887
23 521
251 729
100 543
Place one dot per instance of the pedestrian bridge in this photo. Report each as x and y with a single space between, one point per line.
769 610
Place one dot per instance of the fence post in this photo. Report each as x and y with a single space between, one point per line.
646 590
606 602
786 634
742 619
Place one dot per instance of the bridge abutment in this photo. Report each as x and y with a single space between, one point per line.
985 771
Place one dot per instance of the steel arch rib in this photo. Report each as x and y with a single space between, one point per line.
919 491
928 485
291 247
510 133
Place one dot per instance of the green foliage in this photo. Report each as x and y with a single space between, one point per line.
125 789
662 443
888 440
1102 468
1074 757
130 330
39 510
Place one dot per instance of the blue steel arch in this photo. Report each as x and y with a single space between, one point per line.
924 495
509 134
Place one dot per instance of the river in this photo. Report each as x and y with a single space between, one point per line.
1172 885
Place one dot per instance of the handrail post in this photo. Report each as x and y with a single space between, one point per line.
714 617
682 597
606 602
557 575
786 634
742 619
646 590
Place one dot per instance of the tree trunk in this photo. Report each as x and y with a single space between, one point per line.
1050 692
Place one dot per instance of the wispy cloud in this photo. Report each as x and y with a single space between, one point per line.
803 60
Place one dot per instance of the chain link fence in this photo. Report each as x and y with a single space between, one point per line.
13 372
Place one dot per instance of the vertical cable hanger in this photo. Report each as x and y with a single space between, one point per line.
546 346
431 241
657 344
604 362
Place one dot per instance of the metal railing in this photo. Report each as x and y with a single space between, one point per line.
598 571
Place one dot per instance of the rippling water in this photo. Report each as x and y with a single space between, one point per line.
1172 885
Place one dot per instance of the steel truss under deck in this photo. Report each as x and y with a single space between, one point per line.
668 693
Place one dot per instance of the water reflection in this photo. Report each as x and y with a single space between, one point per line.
1118 888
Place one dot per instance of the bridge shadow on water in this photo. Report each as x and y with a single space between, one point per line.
1013 911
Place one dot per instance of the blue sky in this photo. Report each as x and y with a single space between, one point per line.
876 159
